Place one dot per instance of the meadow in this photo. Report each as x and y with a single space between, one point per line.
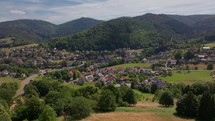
183 76
131 65
9 80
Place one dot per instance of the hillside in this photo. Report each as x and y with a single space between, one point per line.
76 26
149 30
32 31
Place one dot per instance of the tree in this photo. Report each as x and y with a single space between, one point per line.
116 92
154 87
130 97
166 99
178 55
188 105
48 114
4 116
189 55
207 107
33 108
56 101
79 108
210 66
107 101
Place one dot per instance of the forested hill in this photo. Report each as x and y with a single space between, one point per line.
31 31
149 30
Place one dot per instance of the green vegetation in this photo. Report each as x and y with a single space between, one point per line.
166 99
33 31
131 65
188 105
10 80
180 76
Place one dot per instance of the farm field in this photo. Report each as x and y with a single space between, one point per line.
143 111
130 65
210 44
183 76
9 80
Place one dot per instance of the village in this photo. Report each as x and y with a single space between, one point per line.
102 66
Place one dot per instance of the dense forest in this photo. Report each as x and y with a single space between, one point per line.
149 30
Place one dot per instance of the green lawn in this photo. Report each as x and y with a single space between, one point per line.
9 80
189 78
131 65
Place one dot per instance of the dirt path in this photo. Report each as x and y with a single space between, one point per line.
26 81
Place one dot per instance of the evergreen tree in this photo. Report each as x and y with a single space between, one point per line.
207 107
188 105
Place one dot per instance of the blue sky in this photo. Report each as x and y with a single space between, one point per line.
60 11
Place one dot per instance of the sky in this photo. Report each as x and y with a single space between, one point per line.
60 11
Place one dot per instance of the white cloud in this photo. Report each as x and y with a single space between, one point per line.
101 9
19 12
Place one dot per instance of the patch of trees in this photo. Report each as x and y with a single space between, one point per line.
7 91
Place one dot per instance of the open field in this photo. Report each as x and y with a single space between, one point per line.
75 86
210 44
143 111
9 80
183 76
19 47
131 65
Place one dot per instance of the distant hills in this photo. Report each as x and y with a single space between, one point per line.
30 31
147 31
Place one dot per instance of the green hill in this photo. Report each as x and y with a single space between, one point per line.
149 30
33 31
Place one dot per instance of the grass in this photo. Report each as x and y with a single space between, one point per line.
189 78
61 118
75 86
20 47
9 80
210 44
143 96
131 65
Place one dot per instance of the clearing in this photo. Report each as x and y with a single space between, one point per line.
183 76
9 80
131 65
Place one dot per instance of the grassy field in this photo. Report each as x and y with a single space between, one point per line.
131 65
19 47
189 78
143 96
9 80
75 86
210 44
143 111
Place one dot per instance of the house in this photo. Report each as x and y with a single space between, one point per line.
206 48
4 73
173 62
89 78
